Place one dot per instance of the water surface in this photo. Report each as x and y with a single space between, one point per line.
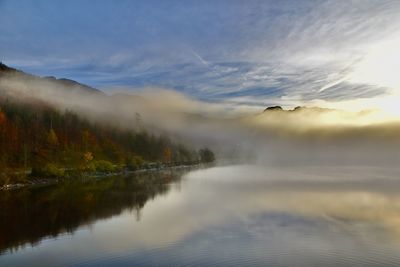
222 216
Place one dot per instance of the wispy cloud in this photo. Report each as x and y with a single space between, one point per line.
262 51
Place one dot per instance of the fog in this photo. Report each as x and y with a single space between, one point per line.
302 136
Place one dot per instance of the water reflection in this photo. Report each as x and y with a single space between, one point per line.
340 195
28 215
225 216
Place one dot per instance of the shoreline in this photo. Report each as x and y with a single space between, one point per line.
52 181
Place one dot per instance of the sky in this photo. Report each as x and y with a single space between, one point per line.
338 53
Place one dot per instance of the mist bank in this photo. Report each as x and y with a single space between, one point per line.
273 136
158 110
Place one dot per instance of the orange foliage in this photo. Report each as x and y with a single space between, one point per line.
167 155
88 156
3 117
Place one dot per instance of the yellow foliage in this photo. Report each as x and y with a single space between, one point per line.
52 138
88 156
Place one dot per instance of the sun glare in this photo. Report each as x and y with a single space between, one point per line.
380 66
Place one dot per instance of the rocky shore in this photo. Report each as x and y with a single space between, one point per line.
52 181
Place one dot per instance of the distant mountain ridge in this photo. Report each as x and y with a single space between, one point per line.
298 108
4 68
74 85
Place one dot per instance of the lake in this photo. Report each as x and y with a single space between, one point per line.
242 215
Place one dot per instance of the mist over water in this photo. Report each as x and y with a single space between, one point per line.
305 136
241 215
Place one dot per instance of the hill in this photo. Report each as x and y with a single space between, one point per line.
40 139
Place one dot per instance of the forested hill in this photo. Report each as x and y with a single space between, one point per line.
40 140
50 80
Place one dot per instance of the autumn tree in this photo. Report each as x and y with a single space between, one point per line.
2 136
2 118
167 155
52 138
37 136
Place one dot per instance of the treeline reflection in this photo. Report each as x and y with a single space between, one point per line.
31 214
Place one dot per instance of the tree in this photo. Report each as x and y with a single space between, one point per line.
85 139
2 118
52 138
35 135
167 155
3 155
206 155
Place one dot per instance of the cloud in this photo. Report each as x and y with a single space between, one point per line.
266 50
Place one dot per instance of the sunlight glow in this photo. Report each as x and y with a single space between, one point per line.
380 66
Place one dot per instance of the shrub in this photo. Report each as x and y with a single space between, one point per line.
49 170
206 155
136 162
104 166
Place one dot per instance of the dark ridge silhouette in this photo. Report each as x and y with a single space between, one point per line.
297 108
4 68
73 85
273 108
